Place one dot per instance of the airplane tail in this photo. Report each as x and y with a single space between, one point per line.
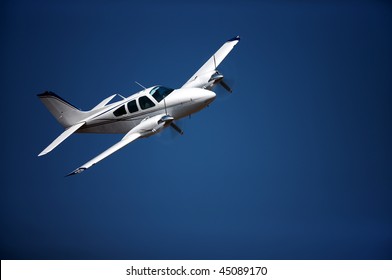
70 117
64 112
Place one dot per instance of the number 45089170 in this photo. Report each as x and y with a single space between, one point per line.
243 270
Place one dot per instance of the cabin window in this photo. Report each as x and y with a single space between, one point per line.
145 102
160 92
132 107
120 111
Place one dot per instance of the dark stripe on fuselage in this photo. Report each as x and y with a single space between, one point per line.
133 116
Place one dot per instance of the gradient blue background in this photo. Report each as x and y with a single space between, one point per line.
296 164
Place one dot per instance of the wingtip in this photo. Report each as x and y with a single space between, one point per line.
45 151
236 38
76 171
46 94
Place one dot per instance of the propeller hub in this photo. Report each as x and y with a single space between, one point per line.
166 119
216 78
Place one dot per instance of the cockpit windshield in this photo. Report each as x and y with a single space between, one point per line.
160 92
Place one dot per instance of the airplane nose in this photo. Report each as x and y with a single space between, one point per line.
189 101
207 95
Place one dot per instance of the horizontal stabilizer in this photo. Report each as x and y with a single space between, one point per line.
61 138
104 102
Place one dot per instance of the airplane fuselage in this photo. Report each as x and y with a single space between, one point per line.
122 116
142 114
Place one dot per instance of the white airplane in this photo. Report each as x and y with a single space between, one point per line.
142 114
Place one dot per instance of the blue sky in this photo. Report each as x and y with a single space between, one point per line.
295 164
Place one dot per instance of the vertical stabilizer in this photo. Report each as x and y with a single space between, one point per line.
64 112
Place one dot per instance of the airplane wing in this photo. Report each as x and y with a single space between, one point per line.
145 128
202 78
128 138
61 138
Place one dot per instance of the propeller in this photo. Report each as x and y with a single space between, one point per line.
218 78
176 128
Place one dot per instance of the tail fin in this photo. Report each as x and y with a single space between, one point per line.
64 112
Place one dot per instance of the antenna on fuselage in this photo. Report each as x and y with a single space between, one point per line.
140 85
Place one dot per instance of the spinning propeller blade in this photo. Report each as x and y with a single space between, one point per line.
176 128
225 86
